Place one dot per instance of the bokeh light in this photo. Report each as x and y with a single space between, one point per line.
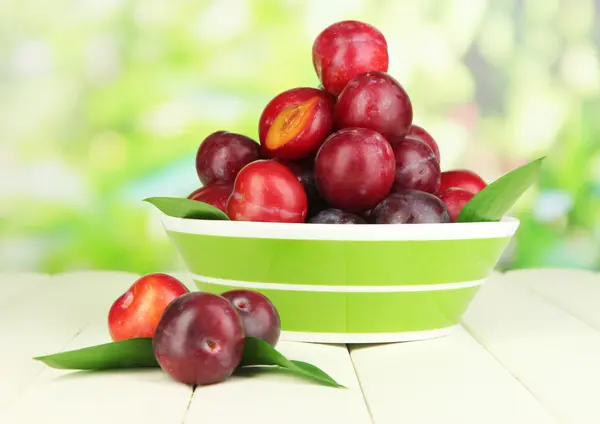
105 102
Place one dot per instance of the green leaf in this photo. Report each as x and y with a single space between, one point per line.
138 353
316 371
494 201
187 208
258 353
131 353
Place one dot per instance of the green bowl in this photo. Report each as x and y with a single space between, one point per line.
347 283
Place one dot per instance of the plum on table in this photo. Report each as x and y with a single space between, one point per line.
199 339
136 312
259 315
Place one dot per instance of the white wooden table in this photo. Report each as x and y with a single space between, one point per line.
528 353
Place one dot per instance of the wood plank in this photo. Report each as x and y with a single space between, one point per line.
270 398
277 398
575 291
47 319
75 397
150 396
14 285
555 355
450 380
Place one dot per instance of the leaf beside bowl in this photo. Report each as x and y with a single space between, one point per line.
489 205
187 208
493 202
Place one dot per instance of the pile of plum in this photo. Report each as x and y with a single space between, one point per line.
345 153
197 337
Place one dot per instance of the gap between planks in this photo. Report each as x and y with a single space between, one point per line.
451 379
348 348
576 292
71 397
123 396
273 397
477 326
47 319
547 348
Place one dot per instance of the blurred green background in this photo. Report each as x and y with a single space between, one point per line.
104 103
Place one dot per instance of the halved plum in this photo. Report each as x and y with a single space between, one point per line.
296 122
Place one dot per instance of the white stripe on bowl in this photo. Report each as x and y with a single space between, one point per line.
366 232
343 289
409 336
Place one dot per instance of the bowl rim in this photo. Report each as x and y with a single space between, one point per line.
504 228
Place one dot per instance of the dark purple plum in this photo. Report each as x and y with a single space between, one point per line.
223 154
410 207
199 339
259 315
336 216
417 168
354 169
376 101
